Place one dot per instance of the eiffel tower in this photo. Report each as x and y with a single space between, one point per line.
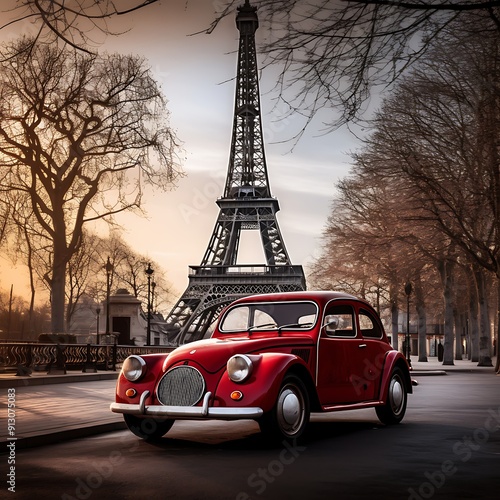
247 204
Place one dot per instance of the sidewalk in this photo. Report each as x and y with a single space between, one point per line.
10 379
54 408
435 367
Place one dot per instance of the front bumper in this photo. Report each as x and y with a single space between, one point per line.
186 412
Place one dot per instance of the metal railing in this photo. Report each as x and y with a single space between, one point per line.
27 357
246 269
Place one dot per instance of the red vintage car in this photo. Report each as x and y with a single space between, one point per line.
273 358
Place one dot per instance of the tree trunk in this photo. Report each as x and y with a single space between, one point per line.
484 321
394 322
473 319
422 322
497 365
445 267
448 321
57 300
31 319
457 319
58 284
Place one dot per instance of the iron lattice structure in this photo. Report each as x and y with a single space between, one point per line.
247 204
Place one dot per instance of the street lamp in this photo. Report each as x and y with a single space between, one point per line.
98 312
109 270
149 271
408 289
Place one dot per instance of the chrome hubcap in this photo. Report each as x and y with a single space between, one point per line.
291 408
290 412
396 395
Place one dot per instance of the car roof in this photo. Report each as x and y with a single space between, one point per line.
321 297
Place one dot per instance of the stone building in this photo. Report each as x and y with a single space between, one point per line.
127 321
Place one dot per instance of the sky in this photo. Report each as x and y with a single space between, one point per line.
196 73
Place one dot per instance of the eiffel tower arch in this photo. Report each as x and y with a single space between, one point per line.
246 204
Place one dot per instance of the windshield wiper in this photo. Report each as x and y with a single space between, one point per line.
264 325
295 325
279 328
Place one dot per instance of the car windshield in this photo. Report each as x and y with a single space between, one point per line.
269 316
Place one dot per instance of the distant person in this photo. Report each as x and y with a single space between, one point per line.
440 351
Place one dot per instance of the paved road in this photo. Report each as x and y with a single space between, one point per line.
447 447
51 413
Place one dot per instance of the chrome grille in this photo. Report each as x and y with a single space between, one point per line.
181 386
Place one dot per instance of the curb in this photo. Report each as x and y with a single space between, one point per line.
67 435
15 381
428 372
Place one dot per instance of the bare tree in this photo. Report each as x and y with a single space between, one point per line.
129 270
87 275
25 245
370 244
80 271
79 136
440 131
75 22
333 54
435 146
14 321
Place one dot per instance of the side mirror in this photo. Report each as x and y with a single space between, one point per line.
331 324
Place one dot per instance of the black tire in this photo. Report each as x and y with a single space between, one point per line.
148 429
393 411
290 415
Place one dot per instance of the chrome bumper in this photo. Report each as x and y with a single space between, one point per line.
185 412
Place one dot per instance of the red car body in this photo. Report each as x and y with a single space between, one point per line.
273 358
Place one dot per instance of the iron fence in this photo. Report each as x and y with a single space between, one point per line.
27 357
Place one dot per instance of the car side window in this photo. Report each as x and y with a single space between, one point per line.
237 319
263 318
369 327
339 322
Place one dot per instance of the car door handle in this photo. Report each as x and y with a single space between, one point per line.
362 346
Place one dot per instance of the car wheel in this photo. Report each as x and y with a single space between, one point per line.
393 411
290 415
148 429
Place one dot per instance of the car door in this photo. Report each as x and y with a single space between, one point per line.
371 330
341 356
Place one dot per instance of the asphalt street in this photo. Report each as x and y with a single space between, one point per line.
448 446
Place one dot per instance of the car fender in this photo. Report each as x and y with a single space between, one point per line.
154 363
393 359
262 387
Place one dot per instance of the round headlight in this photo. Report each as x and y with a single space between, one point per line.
134 367
239 367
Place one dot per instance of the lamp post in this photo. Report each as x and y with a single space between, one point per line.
149 271
408 289
109 270
98 312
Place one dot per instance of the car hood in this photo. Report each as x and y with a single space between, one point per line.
212 354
